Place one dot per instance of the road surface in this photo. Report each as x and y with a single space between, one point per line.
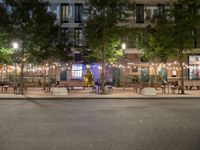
100 124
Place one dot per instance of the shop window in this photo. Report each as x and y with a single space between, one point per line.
77 71
194 70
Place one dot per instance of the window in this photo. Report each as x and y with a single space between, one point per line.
56 11
194 69
144 74
134 69
78 12
64 13
194 34
65 35
139 13
77 71
78 37
77 57
161 9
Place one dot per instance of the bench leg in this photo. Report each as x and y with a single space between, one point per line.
173 90
163 90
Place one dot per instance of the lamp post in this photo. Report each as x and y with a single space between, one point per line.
124 67
15 46
123 46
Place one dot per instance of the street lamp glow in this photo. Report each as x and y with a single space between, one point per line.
15 45
123 46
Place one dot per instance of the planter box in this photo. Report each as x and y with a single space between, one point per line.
59 91
148 91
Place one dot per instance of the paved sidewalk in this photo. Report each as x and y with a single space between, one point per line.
119 93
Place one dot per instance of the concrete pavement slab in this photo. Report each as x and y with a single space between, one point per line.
118 93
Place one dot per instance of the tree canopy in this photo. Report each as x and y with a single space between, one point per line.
5 51
32 27
102 29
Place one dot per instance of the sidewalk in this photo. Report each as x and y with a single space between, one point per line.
118 93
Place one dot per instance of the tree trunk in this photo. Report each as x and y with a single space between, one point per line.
103 72
180 55
44 76
103 63
155 69
22 78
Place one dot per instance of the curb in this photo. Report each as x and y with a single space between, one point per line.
100 98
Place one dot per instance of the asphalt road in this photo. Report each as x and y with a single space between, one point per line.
100 125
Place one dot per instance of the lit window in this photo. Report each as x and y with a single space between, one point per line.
194 69
77 71
64 12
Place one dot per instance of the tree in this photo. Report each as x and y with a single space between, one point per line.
102 28
35 30
5 52
175 32
154 51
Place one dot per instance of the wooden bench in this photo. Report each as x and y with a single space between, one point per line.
159 85
174 88
138 87
71 84
47 87
189 84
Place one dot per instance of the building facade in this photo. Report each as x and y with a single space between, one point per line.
145 12
70 14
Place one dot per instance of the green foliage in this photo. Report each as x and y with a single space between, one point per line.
102 29
34 29
114 51
5 52
153 48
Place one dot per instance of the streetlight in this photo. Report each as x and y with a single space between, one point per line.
15 46
124 68
123 46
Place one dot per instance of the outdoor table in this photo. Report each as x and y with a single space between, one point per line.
167 85
109 88
15 89
5 88
173 88
96 88
47 87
